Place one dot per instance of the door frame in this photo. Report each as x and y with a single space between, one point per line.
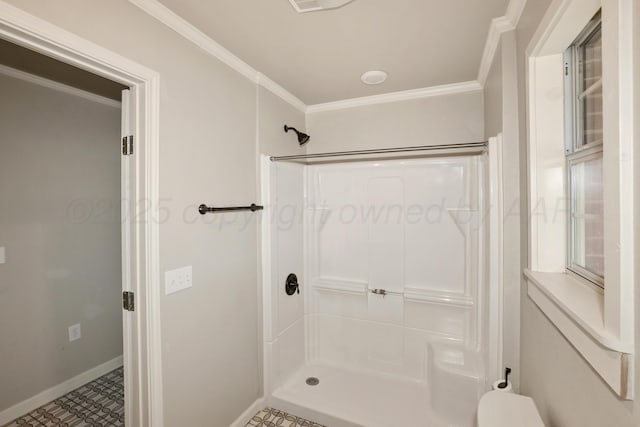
143 355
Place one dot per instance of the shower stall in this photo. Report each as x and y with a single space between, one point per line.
393 317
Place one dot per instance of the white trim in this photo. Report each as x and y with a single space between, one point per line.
514 11
421 295
39 35
335 284
200 39
60 87
406 95
151 250
194 35
549 21
626 130
500 25
561 24
600 327
265 255
583 304
126 229
614 366
57 391
246 416
495 313
281 92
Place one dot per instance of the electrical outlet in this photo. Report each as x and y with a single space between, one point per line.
177 280
74 332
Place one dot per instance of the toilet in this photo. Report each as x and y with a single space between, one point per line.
499 409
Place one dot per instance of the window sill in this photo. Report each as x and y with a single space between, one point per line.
578 312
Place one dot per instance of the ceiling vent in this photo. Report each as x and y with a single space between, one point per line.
303 6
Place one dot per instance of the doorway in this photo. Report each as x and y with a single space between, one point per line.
141 344
62 239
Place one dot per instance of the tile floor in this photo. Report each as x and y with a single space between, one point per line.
99 403
270 417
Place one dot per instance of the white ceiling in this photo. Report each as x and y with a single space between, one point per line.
320 56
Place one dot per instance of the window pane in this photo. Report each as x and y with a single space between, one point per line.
591 88
587 215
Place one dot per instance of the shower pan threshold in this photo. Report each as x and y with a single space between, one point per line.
350 398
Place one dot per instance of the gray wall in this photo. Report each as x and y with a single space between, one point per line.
207 152
211 357
493 97
273 114
60 224
437 120
567 391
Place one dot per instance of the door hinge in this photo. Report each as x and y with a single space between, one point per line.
127 145
128 301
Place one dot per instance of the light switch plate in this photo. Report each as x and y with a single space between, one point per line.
3 258
177 280
75 333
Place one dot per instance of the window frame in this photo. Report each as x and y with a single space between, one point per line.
592 278
577 152
573 79
599 324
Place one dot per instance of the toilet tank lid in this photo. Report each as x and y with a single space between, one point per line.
499 409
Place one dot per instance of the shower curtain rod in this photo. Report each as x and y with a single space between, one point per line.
463 146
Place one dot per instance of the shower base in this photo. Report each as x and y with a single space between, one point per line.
347 398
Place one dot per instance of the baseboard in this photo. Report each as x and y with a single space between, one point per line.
57 391
243 419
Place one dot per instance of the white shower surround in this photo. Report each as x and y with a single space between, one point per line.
372 353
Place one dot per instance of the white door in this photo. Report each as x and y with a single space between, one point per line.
129 279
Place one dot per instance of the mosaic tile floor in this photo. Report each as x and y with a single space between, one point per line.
270 417
99 403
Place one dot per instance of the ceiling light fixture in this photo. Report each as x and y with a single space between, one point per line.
374 77
302 6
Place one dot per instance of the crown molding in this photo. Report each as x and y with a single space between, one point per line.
406 95
514 11
169 18
500 25
281 92
60 87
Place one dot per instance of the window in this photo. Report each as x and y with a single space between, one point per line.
581 166
584 153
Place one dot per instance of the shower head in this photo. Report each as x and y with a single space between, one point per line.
303 138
